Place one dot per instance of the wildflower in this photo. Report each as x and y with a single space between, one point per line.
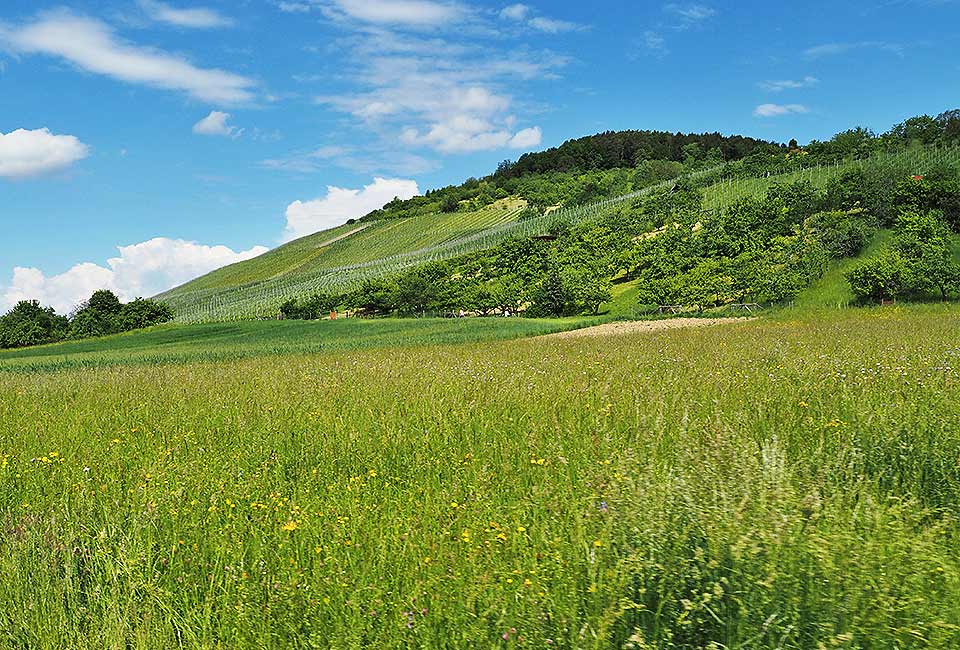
290 525
597 543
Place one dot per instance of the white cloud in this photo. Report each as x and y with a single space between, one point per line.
93 46
414 13
515 12
340 205
466 134
141 270
789 84
527 138
449 102
776 110
29 153
195 18
216 124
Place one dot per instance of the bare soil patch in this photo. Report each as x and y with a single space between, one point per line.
645 326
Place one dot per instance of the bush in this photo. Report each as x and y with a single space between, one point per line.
880 278
841 233
28 323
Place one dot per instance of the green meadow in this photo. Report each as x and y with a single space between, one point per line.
788 482
222 341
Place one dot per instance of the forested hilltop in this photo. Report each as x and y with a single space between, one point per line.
575 171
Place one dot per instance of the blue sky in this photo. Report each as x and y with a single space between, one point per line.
144 142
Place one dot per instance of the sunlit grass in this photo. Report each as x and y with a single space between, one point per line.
771 484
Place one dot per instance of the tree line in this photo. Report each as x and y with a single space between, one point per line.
30 323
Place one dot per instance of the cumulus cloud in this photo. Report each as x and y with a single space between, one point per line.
789 84
527 138
194 18
30 153
216 124
93 46
339 205
140 270
776 110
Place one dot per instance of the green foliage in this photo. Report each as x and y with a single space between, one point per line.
142 313
842 233
623 149
28 323
880 278
312 307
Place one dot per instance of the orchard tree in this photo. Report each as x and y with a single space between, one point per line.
879 278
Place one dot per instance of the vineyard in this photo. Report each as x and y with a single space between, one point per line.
339 260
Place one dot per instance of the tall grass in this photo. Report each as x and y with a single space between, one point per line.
771 484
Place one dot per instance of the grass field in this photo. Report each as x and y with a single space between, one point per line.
218 342
789 483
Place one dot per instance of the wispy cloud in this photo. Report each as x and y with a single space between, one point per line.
836 49
690 14
777 110
195 17
526 16
449 95
789 84
405 13
367 163
93 46
654 43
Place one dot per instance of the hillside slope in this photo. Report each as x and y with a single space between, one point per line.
339 260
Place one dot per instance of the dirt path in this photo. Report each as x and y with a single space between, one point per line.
343 236
645 326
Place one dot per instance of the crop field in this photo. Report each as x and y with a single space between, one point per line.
167 344
349 245
915 161
790 482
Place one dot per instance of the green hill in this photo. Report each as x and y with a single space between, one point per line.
338 260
